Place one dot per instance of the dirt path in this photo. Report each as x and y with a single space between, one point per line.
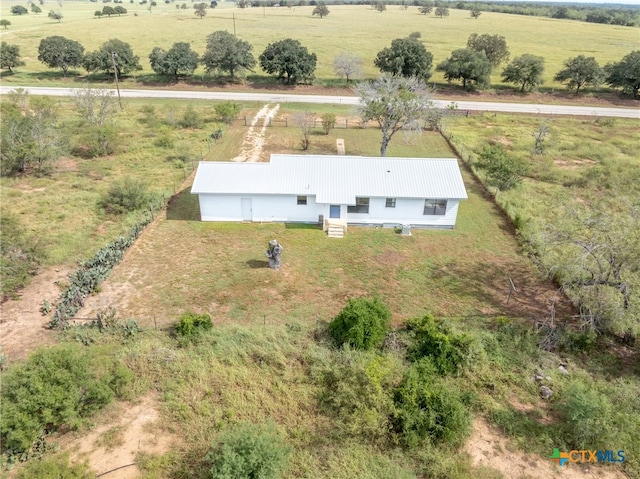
22 326
488 447
253 143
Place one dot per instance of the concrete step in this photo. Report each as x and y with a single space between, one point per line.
335 232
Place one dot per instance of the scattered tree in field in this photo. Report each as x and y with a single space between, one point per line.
98 13
625 74
5 23
362 323
180 59
442 11
10 56
426 8
328 122
494 47
60 52
540 136
242 4
94 105
525 70
305 120
103 59
380 6
291 61
321 10
19 10
108 11
120 10
580 71
35 8
470 66
395 103
406 57
227 111
504 171
53 15
348 65
125 196
226 53
200 10
475 12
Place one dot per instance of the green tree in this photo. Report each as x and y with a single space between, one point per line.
108 11
35 8
380 6
625 74
291 61
362 323
227 111
53 15
19 10
348 65
125 196
120 10
248 451
426 8
180 59
10 56
470 66
102 59
503 170
4 22
442 11
580 71
406 57
321 10
475 12
525 70
60 52
494 47
200 10
395 103
98 13
227 53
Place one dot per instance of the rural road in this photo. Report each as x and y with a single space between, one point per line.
347 100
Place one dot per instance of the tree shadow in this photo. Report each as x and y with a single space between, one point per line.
183 206
257 263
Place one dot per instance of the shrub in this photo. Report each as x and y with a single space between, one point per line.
228 111
362 323
192 324
20 255
56 386
248 451
125 196
191 118
588 415
55 467
433 339
97 141
328 122
429 409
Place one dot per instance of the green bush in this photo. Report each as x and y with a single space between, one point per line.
228 111
97 141
20 255
191 118
56 386
362 323
448 351
192 324
587 414
248 451
55 467
125 196
428 409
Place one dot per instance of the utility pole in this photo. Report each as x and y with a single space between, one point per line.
115 72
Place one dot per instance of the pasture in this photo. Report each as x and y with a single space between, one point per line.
358 29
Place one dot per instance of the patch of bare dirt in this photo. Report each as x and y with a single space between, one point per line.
23 328
574 164
488 447
252 146
124 431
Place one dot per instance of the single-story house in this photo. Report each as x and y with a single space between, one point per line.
353 190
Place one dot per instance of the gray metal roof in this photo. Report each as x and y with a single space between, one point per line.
334 179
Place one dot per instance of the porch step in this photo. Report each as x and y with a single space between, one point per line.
335 232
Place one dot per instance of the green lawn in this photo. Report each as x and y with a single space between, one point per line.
358 29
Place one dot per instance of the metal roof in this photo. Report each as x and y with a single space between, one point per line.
334 179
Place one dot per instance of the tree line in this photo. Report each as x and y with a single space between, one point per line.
292 63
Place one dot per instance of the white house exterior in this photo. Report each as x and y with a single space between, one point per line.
354 190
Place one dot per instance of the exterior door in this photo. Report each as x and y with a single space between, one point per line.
247 211
334 211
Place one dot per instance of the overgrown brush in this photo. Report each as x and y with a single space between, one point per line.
362 323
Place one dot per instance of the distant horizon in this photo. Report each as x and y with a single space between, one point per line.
567 2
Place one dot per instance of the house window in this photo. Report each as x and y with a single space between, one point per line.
435 207
362 206
390 203
302 200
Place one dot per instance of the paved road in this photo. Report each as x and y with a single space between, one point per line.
348 100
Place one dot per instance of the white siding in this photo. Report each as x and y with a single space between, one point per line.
285 209
264 208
